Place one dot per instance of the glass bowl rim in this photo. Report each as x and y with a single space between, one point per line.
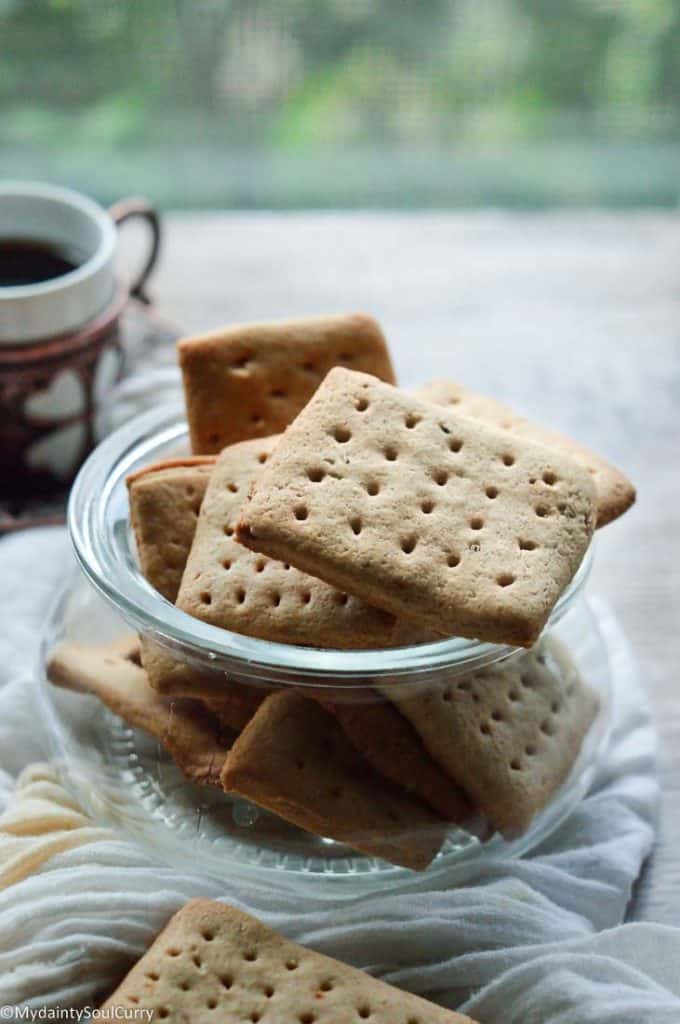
101 556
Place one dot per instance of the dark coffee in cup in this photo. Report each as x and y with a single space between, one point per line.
32 261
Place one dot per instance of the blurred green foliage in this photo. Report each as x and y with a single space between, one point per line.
345 102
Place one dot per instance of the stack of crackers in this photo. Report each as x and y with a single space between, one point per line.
325 507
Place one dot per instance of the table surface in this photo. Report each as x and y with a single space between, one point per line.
573 318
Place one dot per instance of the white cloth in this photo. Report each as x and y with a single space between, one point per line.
538 939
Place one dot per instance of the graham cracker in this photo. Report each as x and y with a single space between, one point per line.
615 492
294 759
251 380
226 585
165 499
416 509
508 734
392 746
185 728
213 963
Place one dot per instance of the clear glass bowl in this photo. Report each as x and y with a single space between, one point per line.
124 777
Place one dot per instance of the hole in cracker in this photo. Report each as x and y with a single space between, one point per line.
547 727
527 545
476 523
326 985
301 512
240 595
226 981
526 681
206 597
455 444
307 1018
497 715
516 764
364 1012
446 695
555 707
485 729
492 492
391 454
549 478
530 750
163 1012
361 404
268 991
342 435
306 596
232 487
185 986
408 544
506 579
427 506
444 429
508 459
341 598
441 477
316 474
542 511
196 960
275 598
228 531
453 560
250 955
513 696
173 951
464 685
262 457
592 470
133 999
373 488
356 525
291 965
211 1004
260 565
255 1017
153 976
411 421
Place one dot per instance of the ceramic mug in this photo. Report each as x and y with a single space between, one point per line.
60 343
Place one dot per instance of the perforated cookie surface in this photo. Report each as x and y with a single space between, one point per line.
422 511
227 585
214 963
507 734
294 759
615 492
251 380
165 499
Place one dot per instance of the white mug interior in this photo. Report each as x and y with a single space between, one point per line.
85 232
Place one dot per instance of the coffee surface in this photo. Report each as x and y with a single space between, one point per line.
31 261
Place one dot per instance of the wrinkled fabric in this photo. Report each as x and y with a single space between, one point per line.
535 939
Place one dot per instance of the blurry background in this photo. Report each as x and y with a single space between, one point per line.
317 103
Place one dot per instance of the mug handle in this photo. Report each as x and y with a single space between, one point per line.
127 209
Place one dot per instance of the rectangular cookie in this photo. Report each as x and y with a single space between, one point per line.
294 759
392 746
615 492
213 964
226 585
165 499
111 672
507 734
251 380
416 509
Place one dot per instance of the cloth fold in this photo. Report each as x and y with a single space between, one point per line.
533 939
